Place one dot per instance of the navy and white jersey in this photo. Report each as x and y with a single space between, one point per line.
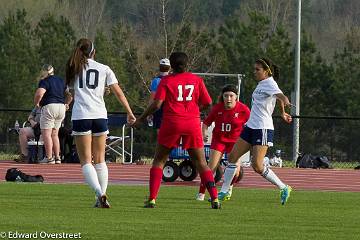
89 91
263 104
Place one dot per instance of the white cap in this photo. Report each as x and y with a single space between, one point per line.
165 62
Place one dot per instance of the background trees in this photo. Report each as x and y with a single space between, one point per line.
219 36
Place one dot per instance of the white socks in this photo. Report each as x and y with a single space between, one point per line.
228 177
269 175
91 178
103 175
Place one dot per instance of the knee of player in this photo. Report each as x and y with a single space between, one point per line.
258 168
232 158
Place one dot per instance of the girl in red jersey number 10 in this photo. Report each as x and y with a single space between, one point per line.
229 116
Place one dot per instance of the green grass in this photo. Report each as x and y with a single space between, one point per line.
8 156
250 214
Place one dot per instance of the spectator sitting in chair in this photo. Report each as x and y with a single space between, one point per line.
27 133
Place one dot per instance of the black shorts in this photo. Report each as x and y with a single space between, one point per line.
157 116
95 127
258 136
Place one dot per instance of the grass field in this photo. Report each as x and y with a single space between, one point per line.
250 214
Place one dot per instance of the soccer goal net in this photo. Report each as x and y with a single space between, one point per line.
215 81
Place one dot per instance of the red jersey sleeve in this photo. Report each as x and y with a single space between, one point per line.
212 115
204 97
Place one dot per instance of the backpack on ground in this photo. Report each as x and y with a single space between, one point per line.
15 175
312 161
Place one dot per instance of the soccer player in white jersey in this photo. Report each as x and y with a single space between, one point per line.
258 132
86 79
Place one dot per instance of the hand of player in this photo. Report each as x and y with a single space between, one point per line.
131 119
287 117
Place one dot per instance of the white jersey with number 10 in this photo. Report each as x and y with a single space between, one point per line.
89 91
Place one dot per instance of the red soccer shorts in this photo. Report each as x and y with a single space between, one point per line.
172 131
222 146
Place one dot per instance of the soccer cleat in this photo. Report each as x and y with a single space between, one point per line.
230 191
97 203
51 161
285 194
224 196
46 160
102 202
215 204
149 203
200 196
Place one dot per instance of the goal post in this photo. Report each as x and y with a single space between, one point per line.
239 77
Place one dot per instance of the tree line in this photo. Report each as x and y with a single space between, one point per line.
328 87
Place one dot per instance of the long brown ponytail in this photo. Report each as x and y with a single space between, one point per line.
78 59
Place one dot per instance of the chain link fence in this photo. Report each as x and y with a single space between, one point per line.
333 137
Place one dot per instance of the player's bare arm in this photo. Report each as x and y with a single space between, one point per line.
69 93
154 106
115 88
38 96
282 99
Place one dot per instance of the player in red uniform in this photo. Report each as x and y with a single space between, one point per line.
229 116
182 96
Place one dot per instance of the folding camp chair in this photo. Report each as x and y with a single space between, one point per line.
119 148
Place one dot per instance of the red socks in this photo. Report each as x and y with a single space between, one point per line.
207 179
155 182
202 188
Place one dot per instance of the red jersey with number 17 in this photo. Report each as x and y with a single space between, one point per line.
182 94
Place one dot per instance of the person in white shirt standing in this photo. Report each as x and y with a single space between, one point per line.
86 79
258 132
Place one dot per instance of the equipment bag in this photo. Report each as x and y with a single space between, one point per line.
15 175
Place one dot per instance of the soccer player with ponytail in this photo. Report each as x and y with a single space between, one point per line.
258 132
86 79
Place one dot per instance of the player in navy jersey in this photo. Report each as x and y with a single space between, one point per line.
229 116
87 79
258 132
